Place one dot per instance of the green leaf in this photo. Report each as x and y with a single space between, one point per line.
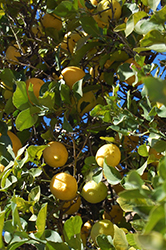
15 217
66 124
15 245
159 16
5 182
89 25
52 236
133 19
77 89
112 174
80 53
133 180
35 152
131 240
2 217
157 213
151 241
65 93
131 194
97 176
105 242
8 78
73 226
152 37
156 88
153 4
141 170
108 139
124 71
160 146
119 240
41 221
156 47
34 194
25 119
20 97
22 205
58 246
64 8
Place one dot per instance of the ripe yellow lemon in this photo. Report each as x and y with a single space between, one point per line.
37 83
16 143
37 30
56 154
70 40
105 14
63 186
73 39
94 192
71 75
72 205
12 54
1 168
86 103
85 231
115 215
159 104
105 227
51 21
110 152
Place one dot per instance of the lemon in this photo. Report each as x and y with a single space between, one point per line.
85 231
37 30
37 83
72 205
86 103
63 186
12 54
115 215
51 21
114 11
70 40
105 227
94 192
71 75
16 143
110 152
56 154
1 168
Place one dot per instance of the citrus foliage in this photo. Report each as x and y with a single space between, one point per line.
115 93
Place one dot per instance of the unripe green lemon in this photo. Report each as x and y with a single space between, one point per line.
94 192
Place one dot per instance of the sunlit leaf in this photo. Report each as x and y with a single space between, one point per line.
41 221
25 119
119 240
73 226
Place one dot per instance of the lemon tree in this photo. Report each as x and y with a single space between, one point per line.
82 124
